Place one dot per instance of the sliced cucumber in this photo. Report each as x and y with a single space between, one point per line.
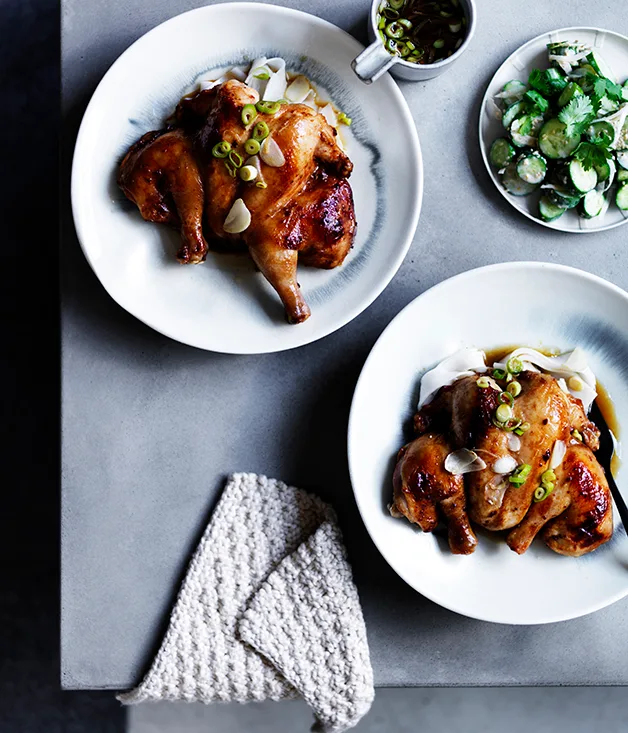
622 140
515 185
592 204
502 152
548 209
605 175
531 168
569 92
601 67
622 197
513 90
564 198
622 159
582 180
514 110
553 141
622 175
531 124
601 133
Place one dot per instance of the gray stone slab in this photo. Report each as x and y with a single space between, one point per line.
151 427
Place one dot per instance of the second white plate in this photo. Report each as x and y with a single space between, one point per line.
613 47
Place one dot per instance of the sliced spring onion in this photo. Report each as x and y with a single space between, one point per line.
506 399
523 428
483 383
390 13
548 476
262 74
514 388
267 108
499 374
381 23
248 173
343 119
251 147
260 131
261 184
439 43
407 24
520 475
397 4
391 45
514 365
540 493
394 30
503 413
249 113
235 159
221 149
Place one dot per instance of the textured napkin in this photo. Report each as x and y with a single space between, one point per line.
268 610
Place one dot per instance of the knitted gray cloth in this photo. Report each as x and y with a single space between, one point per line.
267 610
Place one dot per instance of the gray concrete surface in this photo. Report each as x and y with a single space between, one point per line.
134 504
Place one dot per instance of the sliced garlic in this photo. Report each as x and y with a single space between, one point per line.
329 114
558 454
504 465
514 442
248 173
575 384
271 153
463 461
298 90
238 219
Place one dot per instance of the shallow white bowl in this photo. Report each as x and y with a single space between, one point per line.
614 49
224 304
548 306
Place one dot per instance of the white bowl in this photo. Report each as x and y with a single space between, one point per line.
613 47
522 303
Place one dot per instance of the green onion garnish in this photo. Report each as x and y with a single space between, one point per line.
248 173
391 45
267 108
514 365
397 4
439 43
261 184
402 49
394 30
499 373
523 428
381 23
221 149
251 147
520 475
503 413
249 113
231 169
235 159
514 388
261 74
483 383
411 46
344 119
390 13
407 24
260 131
540 493
506 398
548 476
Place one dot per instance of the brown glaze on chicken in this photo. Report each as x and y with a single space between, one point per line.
425 493
575 518
305 212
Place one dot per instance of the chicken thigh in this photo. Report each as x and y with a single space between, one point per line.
424 492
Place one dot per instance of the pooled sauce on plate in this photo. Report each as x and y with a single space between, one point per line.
420 31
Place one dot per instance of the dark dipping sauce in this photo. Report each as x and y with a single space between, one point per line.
421 32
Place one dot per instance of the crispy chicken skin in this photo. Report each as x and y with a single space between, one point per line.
306 211
576 517
424 492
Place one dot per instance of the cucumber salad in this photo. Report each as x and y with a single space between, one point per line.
566 134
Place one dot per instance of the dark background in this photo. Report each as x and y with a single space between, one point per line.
30 695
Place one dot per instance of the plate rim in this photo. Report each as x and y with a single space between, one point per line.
79 211
546 224
469 274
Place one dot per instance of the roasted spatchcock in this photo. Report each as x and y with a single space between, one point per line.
508 448
233 172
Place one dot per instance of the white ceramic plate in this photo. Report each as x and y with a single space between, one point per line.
614 50
559 307
224 304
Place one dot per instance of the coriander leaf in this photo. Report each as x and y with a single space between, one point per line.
538 81
591 155
576 115
537 100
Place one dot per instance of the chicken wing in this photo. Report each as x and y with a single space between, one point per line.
424 492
